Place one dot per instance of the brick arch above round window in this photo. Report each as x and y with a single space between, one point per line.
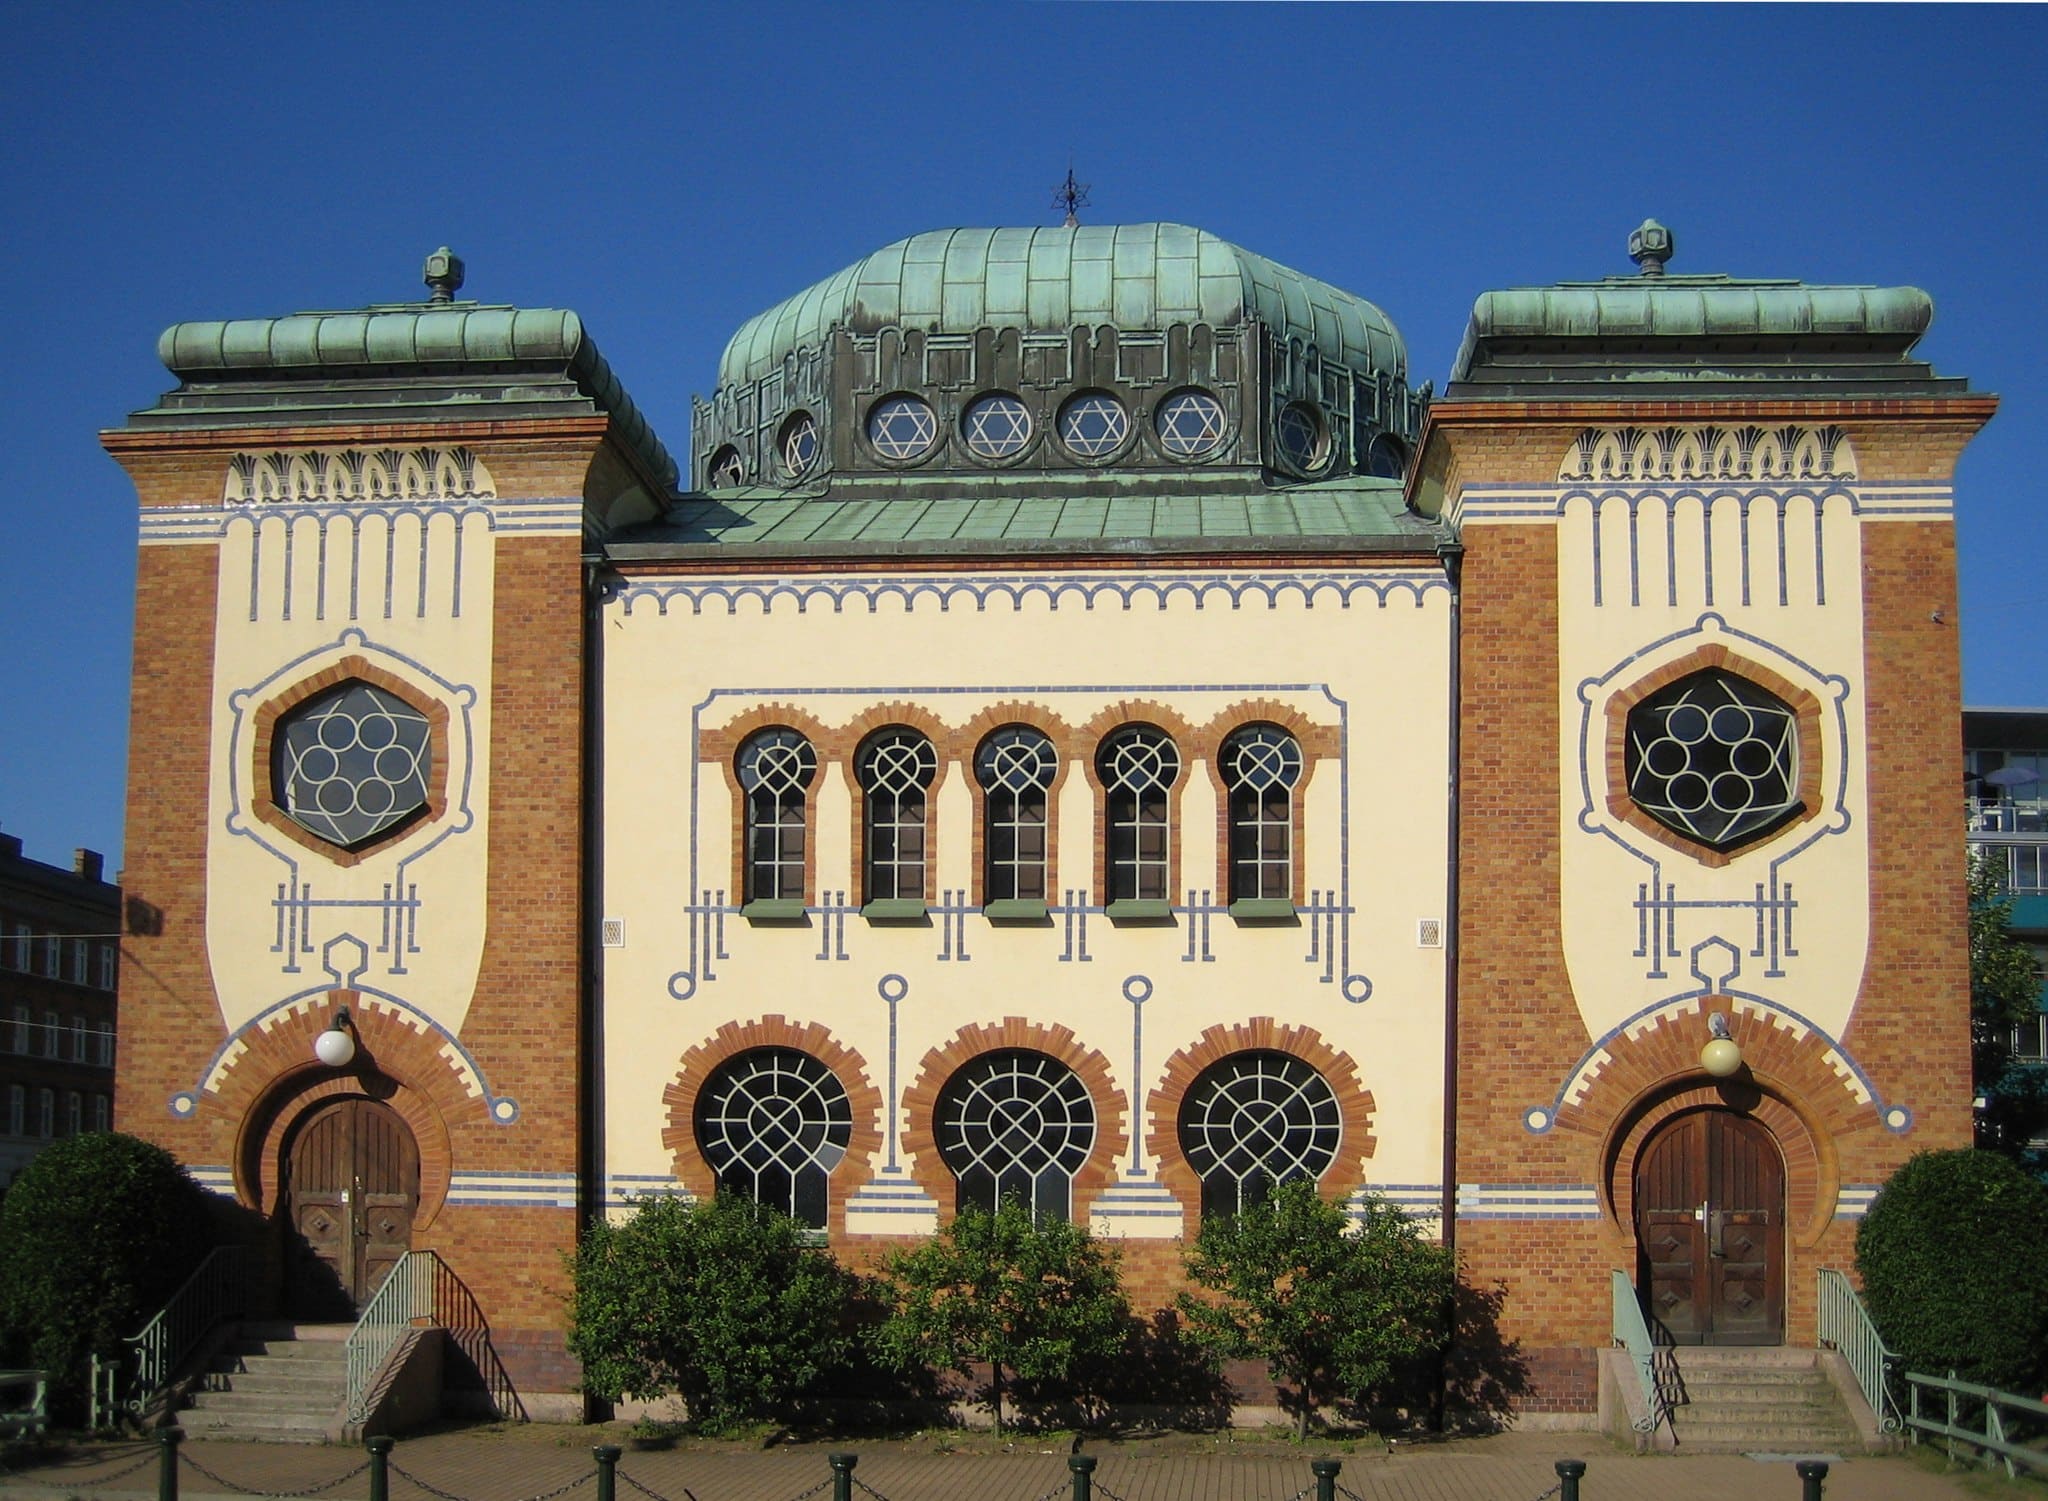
920 1105
1346 1171
267 802
679 1100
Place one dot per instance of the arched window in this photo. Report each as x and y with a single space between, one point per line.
773 1123
1015 1124
1015 767
895 768
1255 1119
1138 766
1261 764
775 770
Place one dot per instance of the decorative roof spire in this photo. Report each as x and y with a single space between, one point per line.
1649 246
443 274
1071 196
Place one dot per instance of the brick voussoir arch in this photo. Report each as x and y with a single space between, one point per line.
920 1106
1346 1171
1794 1082
1066 748
1317 743
272 1085
774 1031
722 745
1133 711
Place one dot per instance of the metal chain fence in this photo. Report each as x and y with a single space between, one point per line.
243 1490
71 1484
434 1490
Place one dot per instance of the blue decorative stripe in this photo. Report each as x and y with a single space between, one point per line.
1528 1201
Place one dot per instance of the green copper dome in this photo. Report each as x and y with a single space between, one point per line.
1130 276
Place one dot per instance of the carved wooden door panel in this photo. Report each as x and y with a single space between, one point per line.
1710 1230
354 1184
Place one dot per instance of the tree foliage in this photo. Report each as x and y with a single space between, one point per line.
1950 1259
95 1236
2005 992
1035 1298
1335 1311
723 1301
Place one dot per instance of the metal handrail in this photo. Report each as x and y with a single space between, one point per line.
212 1294
1845 1326
1991 1438
1632 1332
406 1294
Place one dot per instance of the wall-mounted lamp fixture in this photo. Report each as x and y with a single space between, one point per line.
1720 1057
336 1047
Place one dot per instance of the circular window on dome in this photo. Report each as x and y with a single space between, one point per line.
1386 458
996 426
902 427
1300 437
798 444
1094 425
1715 758
352 764
726 469
1189 423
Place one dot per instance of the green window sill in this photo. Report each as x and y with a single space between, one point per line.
784 909
1135 911
895 909
1274 909
1016 910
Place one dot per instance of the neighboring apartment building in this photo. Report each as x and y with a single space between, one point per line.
2005 788
59 967
1083 724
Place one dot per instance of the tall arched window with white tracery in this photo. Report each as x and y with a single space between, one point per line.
775 770
1261 764
895 768
1015 767
1138 765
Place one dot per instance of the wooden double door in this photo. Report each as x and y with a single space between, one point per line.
352 1183
1710 1230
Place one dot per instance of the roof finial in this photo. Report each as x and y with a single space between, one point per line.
1071 196
443 274
1649 246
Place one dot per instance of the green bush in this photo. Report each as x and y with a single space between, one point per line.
1037 1298
1953 1271
725 1302
1336 1310
95 1235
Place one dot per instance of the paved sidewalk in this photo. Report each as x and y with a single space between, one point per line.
485 1467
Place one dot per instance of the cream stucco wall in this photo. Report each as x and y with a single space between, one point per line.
1363 656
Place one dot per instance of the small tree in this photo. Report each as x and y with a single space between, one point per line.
1335 1308
722 1301
1950 1259
2005 992
95 1236
1035 1297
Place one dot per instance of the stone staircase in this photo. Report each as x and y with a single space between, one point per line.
278 1383
1757 1399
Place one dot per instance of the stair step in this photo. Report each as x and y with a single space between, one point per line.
244 1401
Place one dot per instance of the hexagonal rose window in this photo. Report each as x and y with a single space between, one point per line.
351 764
1715 758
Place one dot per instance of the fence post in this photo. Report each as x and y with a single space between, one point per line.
1568 1473
167 1440
380 1466
607 1470
1083 1466
842 1475
1811 1473
1325 1471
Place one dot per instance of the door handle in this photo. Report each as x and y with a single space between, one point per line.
1717 1225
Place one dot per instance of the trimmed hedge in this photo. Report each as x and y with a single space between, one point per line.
1954 1261
95 1235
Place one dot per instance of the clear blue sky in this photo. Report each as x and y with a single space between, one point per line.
668 170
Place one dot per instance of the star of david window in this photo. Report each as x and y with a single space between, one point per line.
351 764
902 427
726 469
775 770
1138 766
1299 435
773 1123
798 445
996 426
1260 765
1386 458
1015 1124
1253 1120
1015 767
1094 425
895 767
1715 758
1189 423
